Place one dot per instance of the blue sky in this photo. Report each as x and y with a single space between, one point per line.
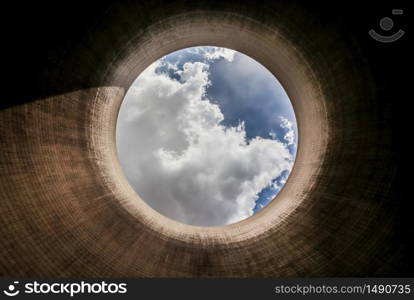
238 99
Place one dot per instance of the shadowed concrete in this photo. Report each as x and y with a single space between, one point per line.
67 209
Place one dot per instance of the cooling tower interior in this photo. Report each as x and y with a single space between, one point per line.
67 209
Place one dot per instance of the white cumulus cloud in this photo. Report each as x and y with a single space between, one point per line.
219 52
290 133
182 161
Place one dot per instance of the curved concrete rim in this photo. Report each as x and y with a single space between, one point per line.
280 57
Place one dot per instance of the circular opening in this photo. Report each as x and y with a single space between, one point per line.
274 50
206 136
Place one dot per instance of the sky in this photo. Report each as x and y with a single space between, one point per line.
206 136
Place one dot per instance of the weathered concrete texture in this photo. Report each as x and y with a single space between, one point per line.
67 209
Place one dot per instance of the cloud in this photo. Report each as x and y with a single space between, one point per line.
181 161
290 133
210 53
218 52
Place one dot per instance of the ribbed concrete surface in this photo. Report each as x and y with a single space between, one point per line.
67 209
